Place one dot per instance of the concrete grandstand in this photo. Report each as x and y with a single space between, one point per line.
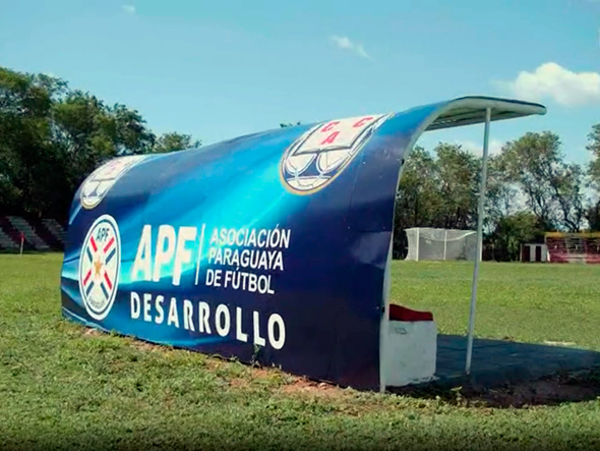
37 234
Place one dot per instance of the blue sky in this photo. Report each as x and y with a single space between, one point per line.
221 69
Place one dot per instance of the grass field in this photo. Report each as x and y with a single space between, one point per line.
62 387
522 302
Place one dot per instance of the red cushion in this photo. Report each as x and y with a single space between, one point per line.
399 313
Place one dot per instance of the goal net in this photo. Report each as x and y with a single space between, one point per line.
573 247
441 244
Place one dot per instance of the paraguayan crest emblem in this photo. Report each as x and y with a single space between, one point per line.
99 266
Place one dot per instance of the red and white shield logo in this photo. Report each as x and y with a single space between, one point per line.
99 265
96 186
322 153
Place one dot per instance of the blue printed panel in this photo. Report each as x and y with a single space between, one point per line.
270 247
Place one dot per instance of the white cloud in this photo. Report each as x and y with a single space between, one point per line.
552 81
345 43
494 148
130 9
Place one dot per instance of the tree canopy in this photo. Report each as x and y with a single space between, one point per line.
531 189
53 137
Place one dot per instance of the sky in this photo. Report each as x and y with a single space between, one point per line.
218 70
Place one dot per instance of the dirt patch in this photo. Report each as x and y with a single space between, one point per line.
548 391
552 390
238 383
143 345
262 373
254 374
92 332
305 386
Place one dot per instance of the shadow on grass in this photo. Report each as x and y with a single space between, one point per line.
564 387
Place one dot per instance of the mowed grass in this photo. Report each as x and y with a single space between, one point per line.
62 387
522 302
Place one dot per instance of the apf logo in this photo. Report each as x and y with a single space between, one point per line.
102 179
99 265
321 154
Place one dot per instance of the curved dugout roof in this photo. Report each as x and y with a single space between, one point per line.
319 199
471 110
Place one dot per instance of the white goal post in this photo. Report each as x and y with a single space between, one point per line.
441 244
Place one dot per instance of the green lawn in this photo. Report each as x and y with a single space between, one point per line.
524 302
62 387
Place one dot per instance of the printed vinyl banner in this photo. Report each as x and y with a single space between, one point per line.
270 247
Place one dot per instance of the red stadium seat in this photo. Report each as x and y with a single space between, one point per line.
399 313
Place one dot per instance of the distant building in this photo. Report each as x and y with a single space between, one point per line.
534 252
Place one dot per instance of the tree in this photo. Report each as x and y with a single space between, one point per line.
87 133
25 106
458 186
288 124
417 196
553 189
502 197
416 199
592 213
128 131
171 142
510 232
437 190
567 188
594 147
529 179
53 137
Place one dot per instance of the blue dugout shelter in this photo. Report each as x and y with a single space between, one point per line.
273 248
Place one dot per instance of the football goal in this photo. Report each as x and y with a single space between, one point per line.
441 244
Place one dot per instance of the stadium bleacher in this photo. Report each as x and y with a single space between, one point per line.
55 229
6 242
38 235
